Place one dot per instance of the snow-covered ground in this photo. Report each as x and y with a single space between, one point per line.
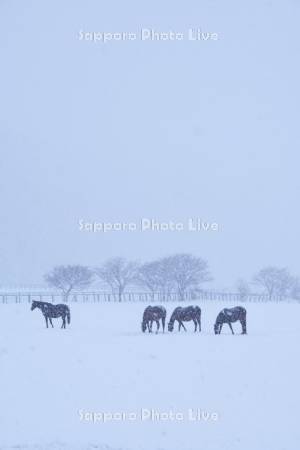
247 387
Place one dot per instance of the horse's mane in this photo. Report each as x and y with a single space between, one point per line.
174 313
42 303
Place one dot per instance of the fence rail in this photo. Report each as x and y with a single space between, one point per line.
100 296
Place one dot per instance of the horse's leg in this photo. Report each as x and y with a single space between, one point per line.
229 323
63 321
183 326
157 324
195 323
199 323
244 327
50 319
150 327
179 326
46 318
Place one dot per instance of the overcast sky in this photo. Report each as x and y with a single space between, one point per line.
168 130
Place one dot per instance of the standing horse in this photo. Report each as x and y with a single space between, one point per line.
53 311
153 314
229 315
185 315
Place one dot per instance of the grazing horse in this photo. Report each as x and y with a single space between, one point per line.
185 315
229 315
53 311
153 314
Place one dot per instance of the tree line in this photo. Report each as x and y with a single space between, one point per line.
177 273
180 273
274 282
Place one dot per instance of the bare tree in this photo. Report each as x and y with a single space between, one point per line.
156 277
295 288
187 272
118 273
67 278
275 281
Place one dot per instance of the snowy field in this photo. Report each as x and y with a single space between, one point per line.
246 387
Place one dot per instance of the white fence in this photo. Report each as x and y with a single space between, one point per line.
100 296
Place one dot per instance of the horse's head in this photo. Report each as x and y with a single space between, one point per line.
170 326
34 305
144 326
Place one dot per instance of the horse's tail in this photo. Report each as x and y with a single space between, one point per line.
244 321
163 319
68 315
198 316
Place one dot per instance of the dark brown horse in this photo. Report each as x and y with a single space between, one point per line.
53 311
185 315
230 315
154 314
